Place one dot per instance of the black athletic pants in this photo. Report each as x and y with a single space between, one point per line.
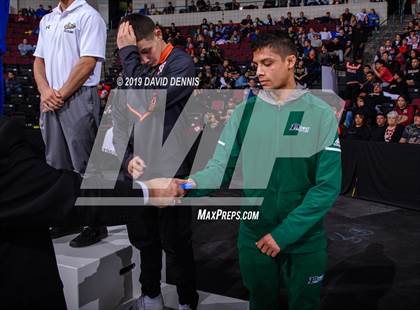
168 229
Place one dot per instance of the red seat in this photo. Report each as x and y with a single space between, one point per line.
416 103
238 95
217 105
347 103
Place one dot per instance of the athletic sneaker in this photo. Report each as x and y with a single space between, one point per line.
184 307
146 303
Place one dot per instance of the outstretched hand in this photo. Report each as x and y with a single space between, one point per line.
164 192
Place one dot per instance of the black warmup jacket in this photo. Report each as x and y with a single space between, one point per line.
126 113
377 134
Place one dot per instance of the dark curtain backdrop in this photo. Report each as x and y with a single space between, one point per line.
383 172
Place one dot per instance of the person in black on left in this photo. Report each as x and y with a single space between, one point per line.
34 196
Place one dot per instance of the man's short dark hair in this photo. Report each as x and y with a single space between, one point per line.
380 61
278 41
143 26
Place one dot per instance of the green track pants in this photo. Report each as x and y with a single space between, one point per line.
300 274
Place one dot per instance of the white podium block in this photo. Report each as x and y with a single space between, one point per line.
101 276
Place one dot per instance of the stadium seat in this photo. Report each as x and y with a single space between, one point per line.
347 103
217 105
17 99
238 95
26 70
8 109
414 93
416 103
11 68
24 80
28 110
29 90
33 99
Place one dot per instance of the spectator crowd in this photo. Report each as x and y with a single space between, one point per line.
206 6
325 41
373 91
383 98
331 43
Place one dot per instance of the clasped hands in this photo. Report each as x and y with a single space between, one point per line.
51 100
163 192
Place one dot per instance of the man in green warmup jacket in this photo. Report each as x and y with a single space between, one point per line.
287 141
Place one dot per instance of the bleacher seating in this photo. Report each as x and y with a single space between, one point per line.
240 53
25 104
16 32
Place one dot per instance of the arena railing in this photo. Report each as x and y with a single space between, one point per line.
260 4
244 5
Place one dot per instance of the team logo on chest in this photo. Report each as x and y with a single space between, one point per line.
299 128
150 109
294 124
160 69
69 27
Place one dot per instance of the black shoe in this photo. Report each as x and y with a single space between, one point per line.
58 232
89 236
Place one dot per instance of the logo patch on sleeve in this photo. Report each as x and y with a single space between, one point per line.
336 147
